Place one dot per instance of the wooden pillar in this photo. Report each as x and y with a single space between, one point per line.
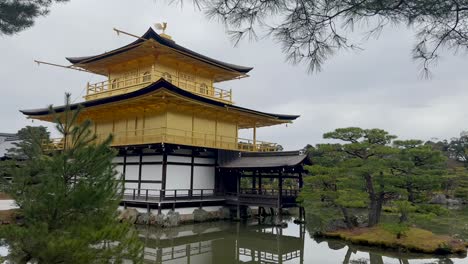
255 136
192 164
260 183
254 180
280 191
139 171
238 175
280 195
164 173
301 180
123 172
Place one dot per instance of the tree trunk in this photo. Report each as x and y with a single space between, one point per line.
410 190
372 218
375 206
347 219
403 217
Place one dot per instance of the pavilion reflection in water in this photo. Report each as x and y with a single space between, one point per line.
224 243
227 242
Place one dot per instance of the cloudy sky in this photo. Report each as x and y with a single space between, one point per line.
379 87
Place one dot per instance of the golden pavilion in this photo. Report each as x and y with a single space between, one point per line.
176 133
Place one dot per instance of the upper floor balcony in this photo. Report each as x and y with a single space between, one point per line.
176 136
137 81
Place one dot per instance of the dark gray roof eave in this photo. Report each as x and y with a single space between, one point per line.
151 34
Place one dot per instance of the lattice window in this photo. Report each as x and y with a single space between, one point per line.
146 76
114 84
203 88
167 76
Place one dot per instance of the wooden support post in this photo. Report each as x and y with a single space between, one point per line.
159 208
164 175
192 165
238 193
280 191
280 198
139 172
124 171
254 181
255 137
301 180
260 183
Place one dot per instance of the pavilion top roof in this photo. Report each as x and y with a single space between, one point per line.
151 40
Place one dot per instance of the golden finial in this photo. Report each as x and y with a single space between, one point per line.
162 26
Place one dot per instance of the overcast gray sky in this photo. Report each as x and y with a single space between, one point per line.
379 87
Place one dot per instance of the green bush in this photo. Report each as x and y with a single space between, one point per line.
432 209
399 230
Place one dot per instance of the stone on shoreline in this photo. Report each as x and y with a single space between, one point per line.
200 215
129 215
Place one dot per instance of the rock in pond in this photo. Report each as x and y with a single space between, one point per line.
200 215
172 219
129 215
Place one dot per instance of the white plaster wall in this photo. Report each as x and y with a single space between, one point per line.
131 172
179 159
151 172
118 160
133 159
178 177
203 177
155 158
119 169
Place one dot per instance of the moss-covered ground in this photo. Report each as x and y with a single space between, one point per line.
414 240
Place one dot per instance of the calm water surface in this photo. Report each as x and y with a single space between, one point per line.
254 242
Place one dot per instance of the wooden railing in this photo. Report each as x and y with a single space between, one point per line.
140 80
160 195
271 192
178 136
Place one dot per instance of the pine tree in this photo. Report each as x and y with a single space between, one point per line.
30 140
68 202
17 15
420 165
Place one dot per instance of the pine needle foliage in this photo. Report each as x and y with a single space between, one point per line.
18 15
68 202
368 168
312 31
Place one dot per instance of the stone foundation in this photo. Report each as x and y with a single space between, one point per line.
171 218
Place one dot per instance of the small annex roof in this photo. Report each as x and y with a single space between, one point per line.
267 160
9 136
152 35
5 146
158 85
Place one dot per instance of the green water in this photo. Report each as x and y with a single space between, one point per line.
254 242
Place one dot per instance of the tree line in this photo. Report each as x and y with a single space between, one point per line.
369 168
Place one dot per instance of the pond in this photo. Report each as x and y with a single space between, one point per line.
261 242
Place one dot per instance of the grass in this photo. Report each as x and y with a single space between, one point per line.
414 240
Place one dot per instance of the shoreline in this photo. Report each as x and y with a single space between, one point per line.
415 241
